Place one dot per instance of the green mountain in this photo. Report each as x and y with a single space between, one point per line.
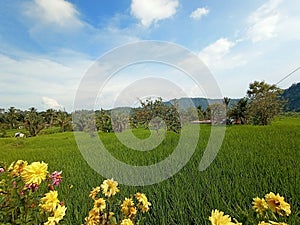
292 96
186 103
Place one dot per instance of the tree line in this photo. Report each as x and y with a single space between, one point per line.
33 121
259 107
261 104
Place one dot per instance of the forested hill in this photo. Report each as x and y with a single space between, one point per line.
292 96
196 102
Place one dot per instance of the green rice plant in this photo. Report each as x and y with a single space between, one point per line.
252 161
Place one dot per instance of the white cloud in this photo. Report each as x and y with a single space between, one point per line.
59 13
26 80
220 57
51 103
149 12
216 51
264 21
199 13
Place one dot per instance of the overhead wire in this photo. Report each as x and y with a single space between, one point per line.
294 71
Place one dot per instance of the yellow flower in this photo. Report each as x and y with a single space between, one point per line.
94 192
109 187
143 202
51 221
35 173
126 222
50 201
111 214
277 204
132 211
59 213
127 208
99 204
93 218
218 218
17 168
260 205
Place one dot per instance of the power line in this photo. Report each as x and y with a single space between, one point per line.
288 75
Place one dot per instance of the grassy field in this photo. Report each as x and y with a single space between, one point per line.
252 161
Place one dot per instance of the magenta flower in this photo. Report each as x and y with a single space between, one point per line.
56 178
15 186
33 187
1 170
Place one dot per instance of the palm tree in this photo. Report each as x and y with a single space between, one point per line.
63 119
34 122
227 101
11 117
50 115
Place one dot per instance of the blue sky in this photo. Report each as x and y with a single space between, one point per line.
47 46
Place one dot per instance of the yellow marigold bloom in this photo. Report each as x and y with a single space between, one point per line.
141 197
50 201
16 168
132 211
126 205
111 214
260 205
143 202
35 173
99 204
93 218
94 193
218 218
51 221
277 204
109 187
59 213
126 222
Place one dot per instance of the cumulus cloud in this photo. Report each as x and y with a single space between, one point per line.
199 13
51 103
149 12
42 77
264 21
60 13
216 51
219 56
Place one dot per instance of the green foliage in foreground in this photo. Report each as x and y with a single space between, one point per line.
252 161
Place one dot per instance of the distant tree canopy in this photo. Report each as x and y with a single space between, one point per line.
151 110
33 121
262 103
239 111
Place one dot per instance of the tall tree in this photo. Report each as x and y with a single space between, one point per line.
265 102
11 117
50 115
103 121
34 122
63 120
239 111
226 101
153 109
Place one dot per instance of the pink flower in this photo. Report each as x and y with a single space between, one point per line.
33 187
56 178
1 170
15 186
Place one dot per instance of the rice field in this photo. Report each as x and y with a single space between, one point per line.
252 161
